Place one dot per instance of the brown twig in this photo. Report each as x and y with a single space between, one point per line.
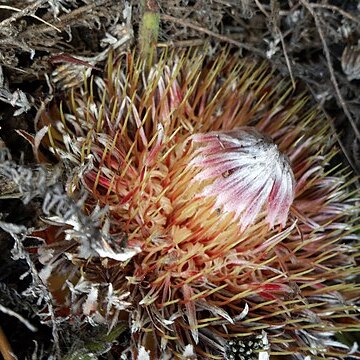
182 43
336 135
330 67
273 19
279 33
335 8
226 3
15 42
212 34
24 12
66 19
261 8
5 348
21 12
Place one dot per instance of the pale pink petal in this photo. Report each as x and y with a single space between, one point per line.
249 174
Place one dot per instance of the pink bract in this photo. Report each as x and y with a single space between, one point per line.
250 174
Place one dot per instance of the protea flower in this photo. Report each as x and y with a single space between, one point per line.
218 182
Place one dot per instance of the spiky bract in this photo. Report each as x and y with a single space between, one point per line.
204 275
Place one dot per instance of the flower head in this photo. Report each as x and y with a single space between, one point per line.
194 160
249 172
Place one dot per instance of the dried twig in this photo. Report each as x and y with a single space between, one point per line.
335 8
5 348
21 12
10 312
279 33
276 29
24 12
330 67
336 135
182 43
75 15
212 34
261 8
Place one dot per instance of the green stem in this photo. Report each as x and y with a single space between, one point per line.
149 31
